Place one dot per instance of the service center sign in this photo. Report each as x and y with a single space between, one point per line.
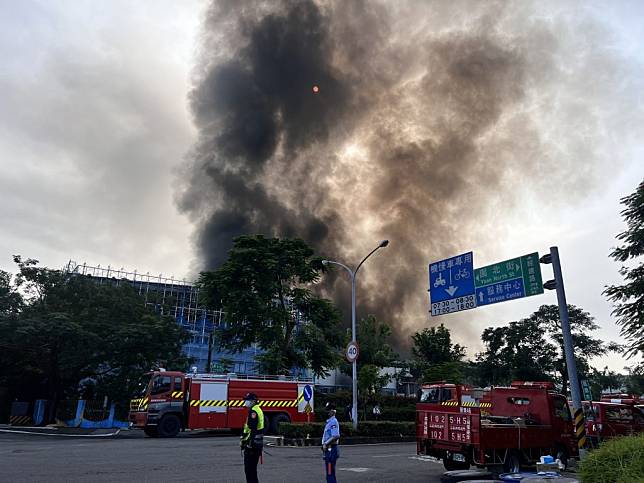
454 285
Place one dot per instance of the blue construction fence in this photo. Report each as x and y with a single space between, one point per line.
79 413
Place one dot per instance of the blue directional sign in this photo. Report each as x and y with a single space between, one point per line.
308 393
451 284
500 292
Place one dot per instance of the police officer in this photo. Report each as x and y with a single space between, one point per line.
330 440
252 438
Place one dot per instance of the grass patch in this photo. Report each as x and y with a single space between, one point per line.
620 460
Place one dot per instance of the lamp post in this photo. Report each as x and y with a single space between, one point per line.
353 273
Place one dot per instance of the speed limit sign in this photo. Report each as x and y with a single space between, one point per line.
352 351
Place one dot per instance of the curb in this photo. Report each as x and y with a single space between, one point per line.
355 440
65 432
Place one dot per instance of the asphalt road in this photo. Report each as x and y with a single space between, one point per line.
216 459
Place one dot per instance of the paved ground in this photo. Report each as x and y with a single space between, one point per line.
216 459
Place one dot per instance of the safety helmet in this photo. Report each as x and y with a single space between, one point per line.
251 396
329 406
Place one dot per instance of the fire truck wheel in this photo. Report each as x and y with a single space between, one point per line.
169 426
151 431
451 465
512 463
276 420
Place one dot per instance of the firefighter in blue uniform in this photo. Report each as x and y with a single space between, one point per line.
330 440
252 438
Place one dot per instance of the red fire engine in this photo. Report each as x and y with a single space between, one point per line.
500 428
172 401
608 419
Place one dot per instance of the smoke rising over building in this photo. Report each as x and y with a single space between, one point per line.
430 117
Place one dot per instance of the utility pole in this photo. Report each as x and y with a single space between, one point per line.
354 368
571 365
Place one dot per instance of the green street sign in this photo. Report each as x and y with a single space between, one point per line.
526 269
588 395
531 274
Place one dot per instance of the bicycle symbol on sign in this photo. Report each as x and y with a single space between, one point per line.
463 273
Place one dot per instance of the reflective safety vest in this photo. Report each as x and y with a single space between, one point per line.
259 438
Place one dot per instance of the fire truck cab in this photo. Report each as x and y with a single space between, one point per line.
172 401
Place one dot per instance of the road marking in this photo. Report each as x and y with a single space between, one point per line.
355 470
390 455
427 459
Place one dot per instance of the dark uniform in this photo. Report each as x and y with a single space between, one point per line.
252 439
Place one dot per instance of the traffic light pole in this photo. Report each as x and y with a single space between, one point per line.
573 378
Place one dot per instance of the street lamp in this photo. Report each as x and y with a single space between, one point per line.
353 273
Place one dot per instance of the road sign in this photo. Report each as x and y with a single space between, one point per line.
508 280
585 387
308 408
500 292
451 284
352 351
308 393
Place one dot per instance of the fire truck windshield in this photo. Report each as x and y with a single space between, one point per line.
161 384
142 386
430 395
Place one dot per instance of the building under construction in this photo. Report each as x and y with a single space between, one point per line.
179 298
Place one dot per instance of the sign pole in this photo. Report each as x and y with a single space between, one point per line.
354 382
569 352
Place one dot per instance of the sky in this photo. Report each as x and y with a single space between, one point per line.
98 136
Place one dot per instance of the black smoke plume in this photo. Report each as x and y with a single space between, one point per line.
429 117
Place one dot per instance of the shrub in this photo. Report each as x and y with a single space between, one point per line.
398 414
620 460
369 428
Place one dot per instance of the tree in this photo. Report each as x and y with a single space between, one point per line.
516 351
264 291
435 357
72 334
629 297
10 299
585 346
532 348
375 354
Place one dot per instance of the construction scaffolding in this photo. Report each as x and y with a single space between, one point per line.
180 299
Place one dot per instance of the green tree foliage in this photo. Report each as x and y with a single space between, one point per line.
375 354
263 288
585 346
629 297
71 334
532 348
435 357
10 299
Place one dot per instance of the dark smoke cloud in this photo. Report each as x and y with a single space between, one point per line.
429 116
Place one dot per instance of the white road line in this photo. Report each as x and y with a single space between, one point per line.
355 470
426 459
390 455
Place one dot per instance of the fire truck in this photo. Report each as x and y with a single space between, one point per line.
173 401
500 428
609 419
